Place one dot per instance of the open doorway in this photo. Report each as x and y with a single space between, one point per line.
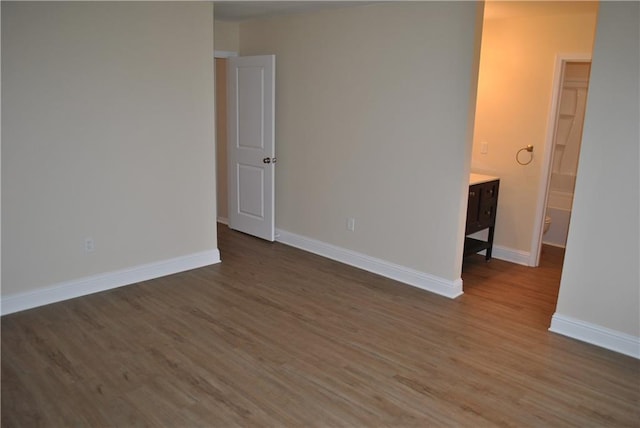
570 98
245 149
516 108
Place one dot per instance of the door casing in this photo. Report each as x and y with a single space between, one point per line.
545 181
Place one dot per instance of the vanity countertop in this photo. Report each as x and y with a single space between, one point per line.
479 178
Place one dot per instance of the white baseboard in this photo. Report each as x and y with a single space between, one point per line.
552 244
223 220
106 281
511 255
384 268
596 335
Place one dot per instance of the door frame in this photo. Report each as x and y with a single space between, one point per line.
549 147
218 54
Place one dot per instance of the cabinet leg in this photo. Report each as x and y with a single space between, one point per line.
487 256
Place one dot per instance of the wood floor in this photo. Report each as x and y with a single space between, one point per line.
277 337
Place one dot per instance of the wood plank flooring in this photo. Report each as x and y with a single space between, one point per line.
274 336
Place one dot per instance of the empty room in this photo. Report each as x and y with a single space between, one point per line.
255 214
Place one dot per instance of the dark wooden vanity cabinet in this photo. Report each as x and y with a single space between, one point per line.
481 213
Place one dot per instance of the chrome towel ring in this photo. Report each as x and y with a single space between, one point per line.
529 149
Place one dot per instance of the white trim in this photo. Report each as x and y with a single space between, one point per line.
106 281
223 220
545 177
553 244
510 255
596 335
224 54
384 268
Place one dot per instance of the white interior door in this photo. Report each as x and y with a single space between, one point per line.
251 146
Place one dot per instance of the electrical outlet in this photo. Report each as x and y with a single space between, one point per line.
351 224
89 245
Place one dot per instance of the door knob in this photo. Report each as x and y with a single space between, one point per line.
269 160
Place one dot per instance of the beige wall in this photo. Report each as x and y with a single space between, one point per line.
600 280
107 113
520 42
227 36
371 107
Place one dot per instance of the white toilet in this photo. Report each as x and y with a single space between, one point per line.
547 223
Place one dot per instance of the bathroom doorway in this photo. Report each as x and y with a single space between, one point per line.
569 101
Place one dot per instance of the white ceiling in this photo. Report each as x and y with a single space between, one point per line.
235 11
239 10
